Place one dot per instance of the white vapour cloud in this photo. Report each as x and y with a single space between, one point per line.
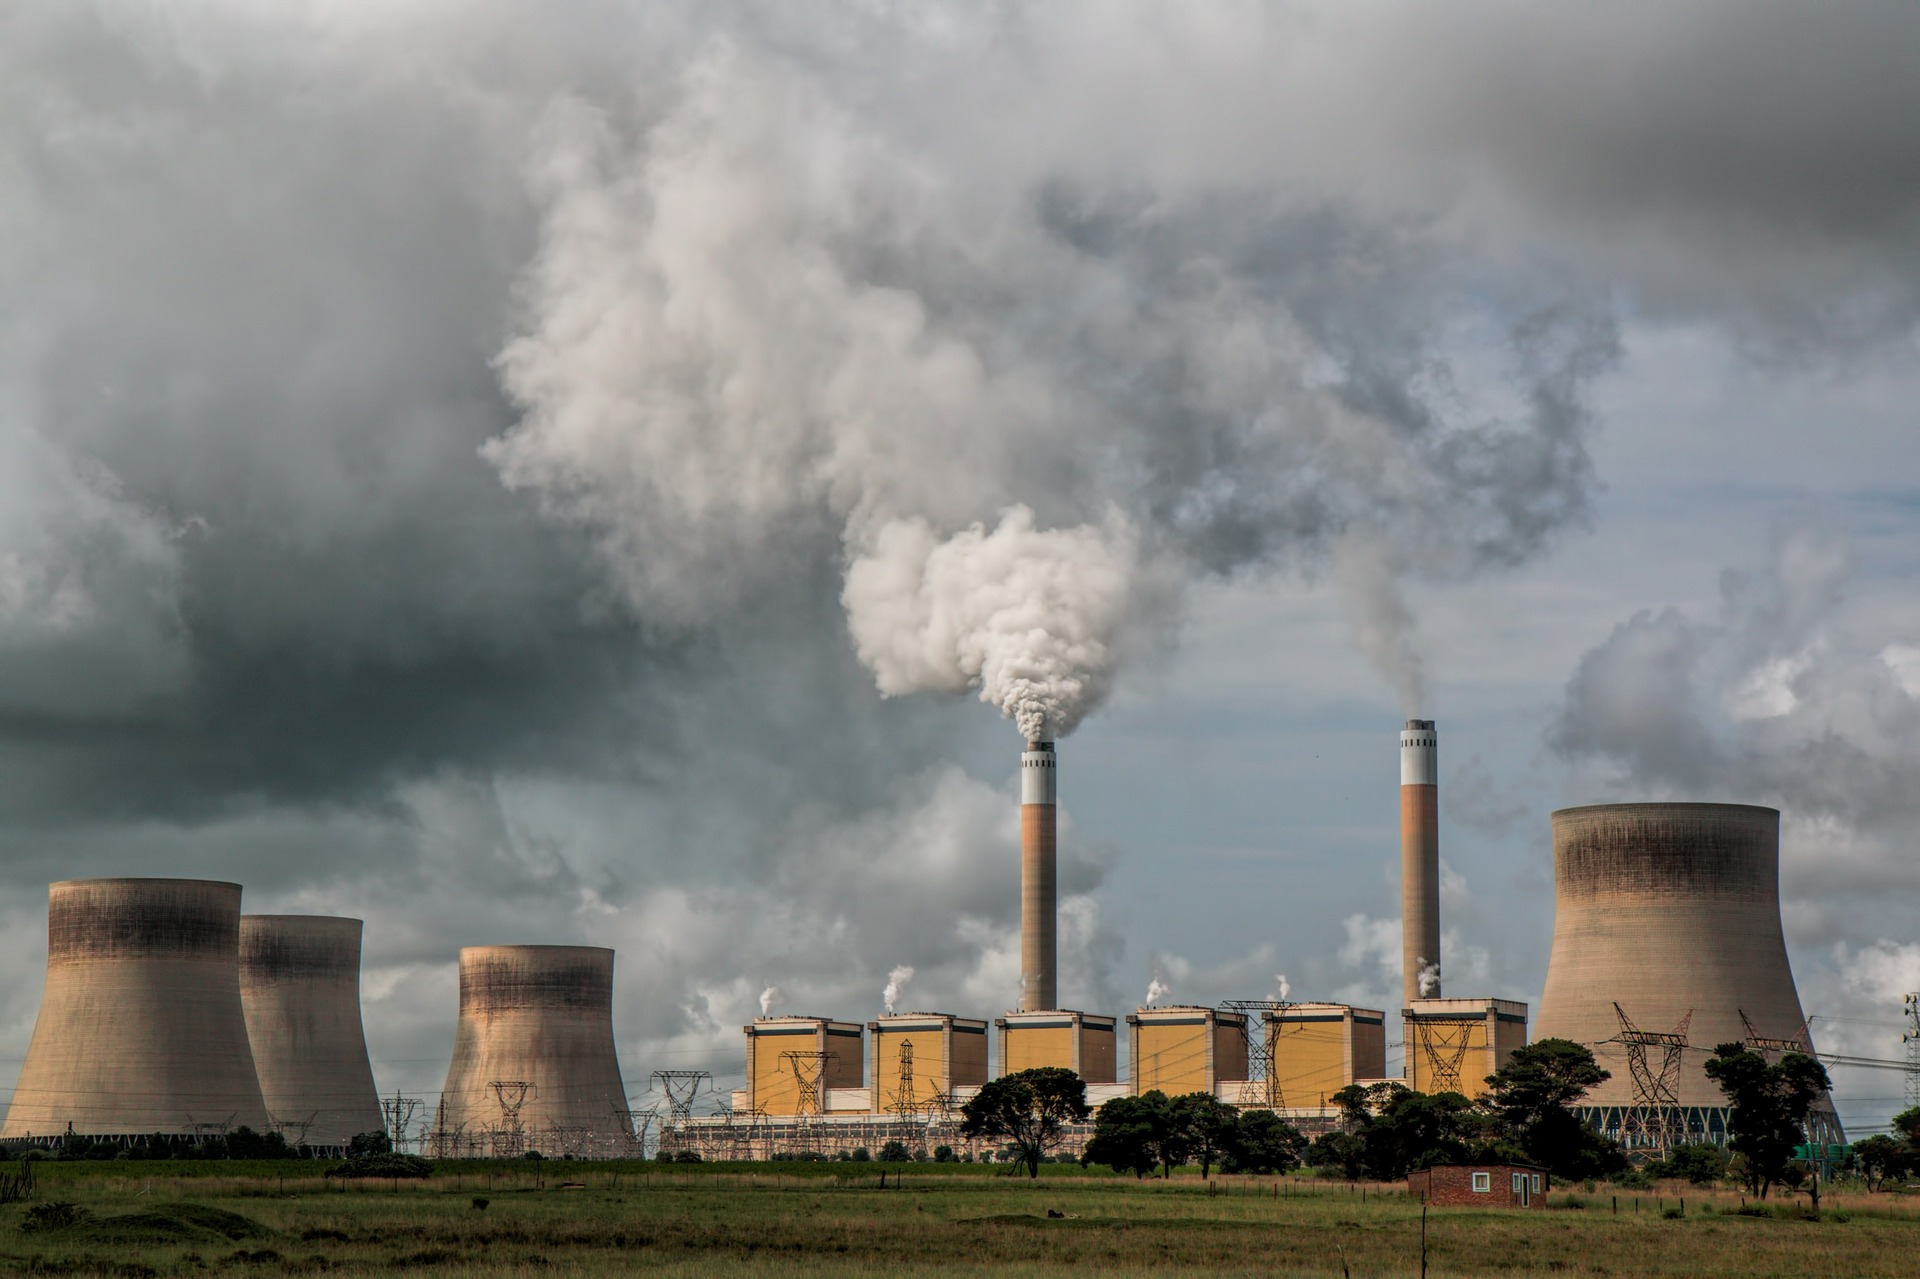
766 330
1157 990
896 982
1034 619
768 997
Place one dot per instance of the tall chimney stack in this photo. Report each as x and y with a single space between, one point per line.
1039 880
1419 861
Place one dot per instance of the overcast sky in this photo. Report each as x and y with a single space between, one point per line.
531 473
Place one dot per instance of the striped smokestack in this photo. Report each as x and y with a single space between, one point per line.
1039 880
1419 861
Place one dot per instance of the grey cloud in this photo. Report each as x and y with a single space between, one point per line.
255 271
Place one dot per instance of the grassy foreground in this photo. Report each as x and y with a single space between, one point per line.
594 1219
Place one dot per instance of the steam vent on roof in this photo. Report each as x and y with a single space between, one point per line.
140 1028
300 987
1667 943
534 1066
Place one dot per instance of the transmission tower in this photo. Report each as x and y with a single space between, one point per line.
904 1104
294 1130
681 1088
510 1139
809 1074
1259 1032
398 1113
1654 1115
1912 1040
1772 1047
1443 1046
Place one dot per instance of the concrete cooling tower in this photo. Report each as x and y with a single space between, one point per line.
534 1066
300 988
140 1028
1666 943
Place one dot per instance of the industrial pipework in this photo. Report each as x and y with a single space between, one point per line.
1039 880
1419 861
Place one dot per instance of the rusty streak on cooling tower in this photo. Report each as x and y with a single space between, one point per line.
1419 860
543 1015
1039 880
1666 908
300 987
140 1027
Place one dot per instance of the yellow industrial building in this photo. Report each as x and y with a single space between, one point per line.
1185 1048
1318 1049
1452 1045
1081 1042
793 1063
920 1058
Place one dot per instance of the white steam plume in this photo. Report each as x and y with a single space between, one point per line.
896 982
1034 619
767 998
1157 990
767 332
1429 980
1364 571
1281 987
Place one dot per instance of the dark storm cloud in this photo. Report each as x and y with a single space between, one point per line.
1285 287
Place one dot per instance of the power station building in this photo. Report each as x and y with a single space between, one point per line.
1183 1048
1317 1049
140 1029
1452 1045
1081 1042
1666 943
534 1066
796 1064
300 992
925 1059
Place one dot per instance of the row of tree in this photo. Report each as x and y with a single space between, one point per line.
1388 1130
1891 1158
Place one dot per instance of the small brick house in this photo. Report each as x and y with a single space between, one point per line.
1480 1185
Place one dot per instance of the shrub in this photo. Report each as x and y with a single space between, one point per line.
861 1155
388 1165
687 1157
895 1152
52 1216
369 1143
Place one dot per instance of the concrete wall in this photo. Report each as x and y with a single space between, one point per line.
300 990
1666 908
543 1015
771 1081
140 1027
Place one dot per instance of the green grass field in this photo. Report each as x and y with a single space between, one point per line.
593 1219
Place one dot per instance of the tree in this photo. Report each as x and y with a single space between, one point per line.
1880 1158
1768 1108
1029 1109
1701 1163
1205 1127
370 1143
1263 1143
1125 1134
1391 1130
1531 1098
1344 1153
895 1152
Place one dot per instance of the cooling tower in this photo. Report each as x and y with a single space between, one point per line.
140 1028
533 1065
1039 880
1669 911
300 987
1419 861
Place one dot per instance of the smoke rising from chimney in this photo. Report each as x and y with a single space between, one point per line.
1157 990
896 982
1429 981
760 334
767 999
1281 987
1364 571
